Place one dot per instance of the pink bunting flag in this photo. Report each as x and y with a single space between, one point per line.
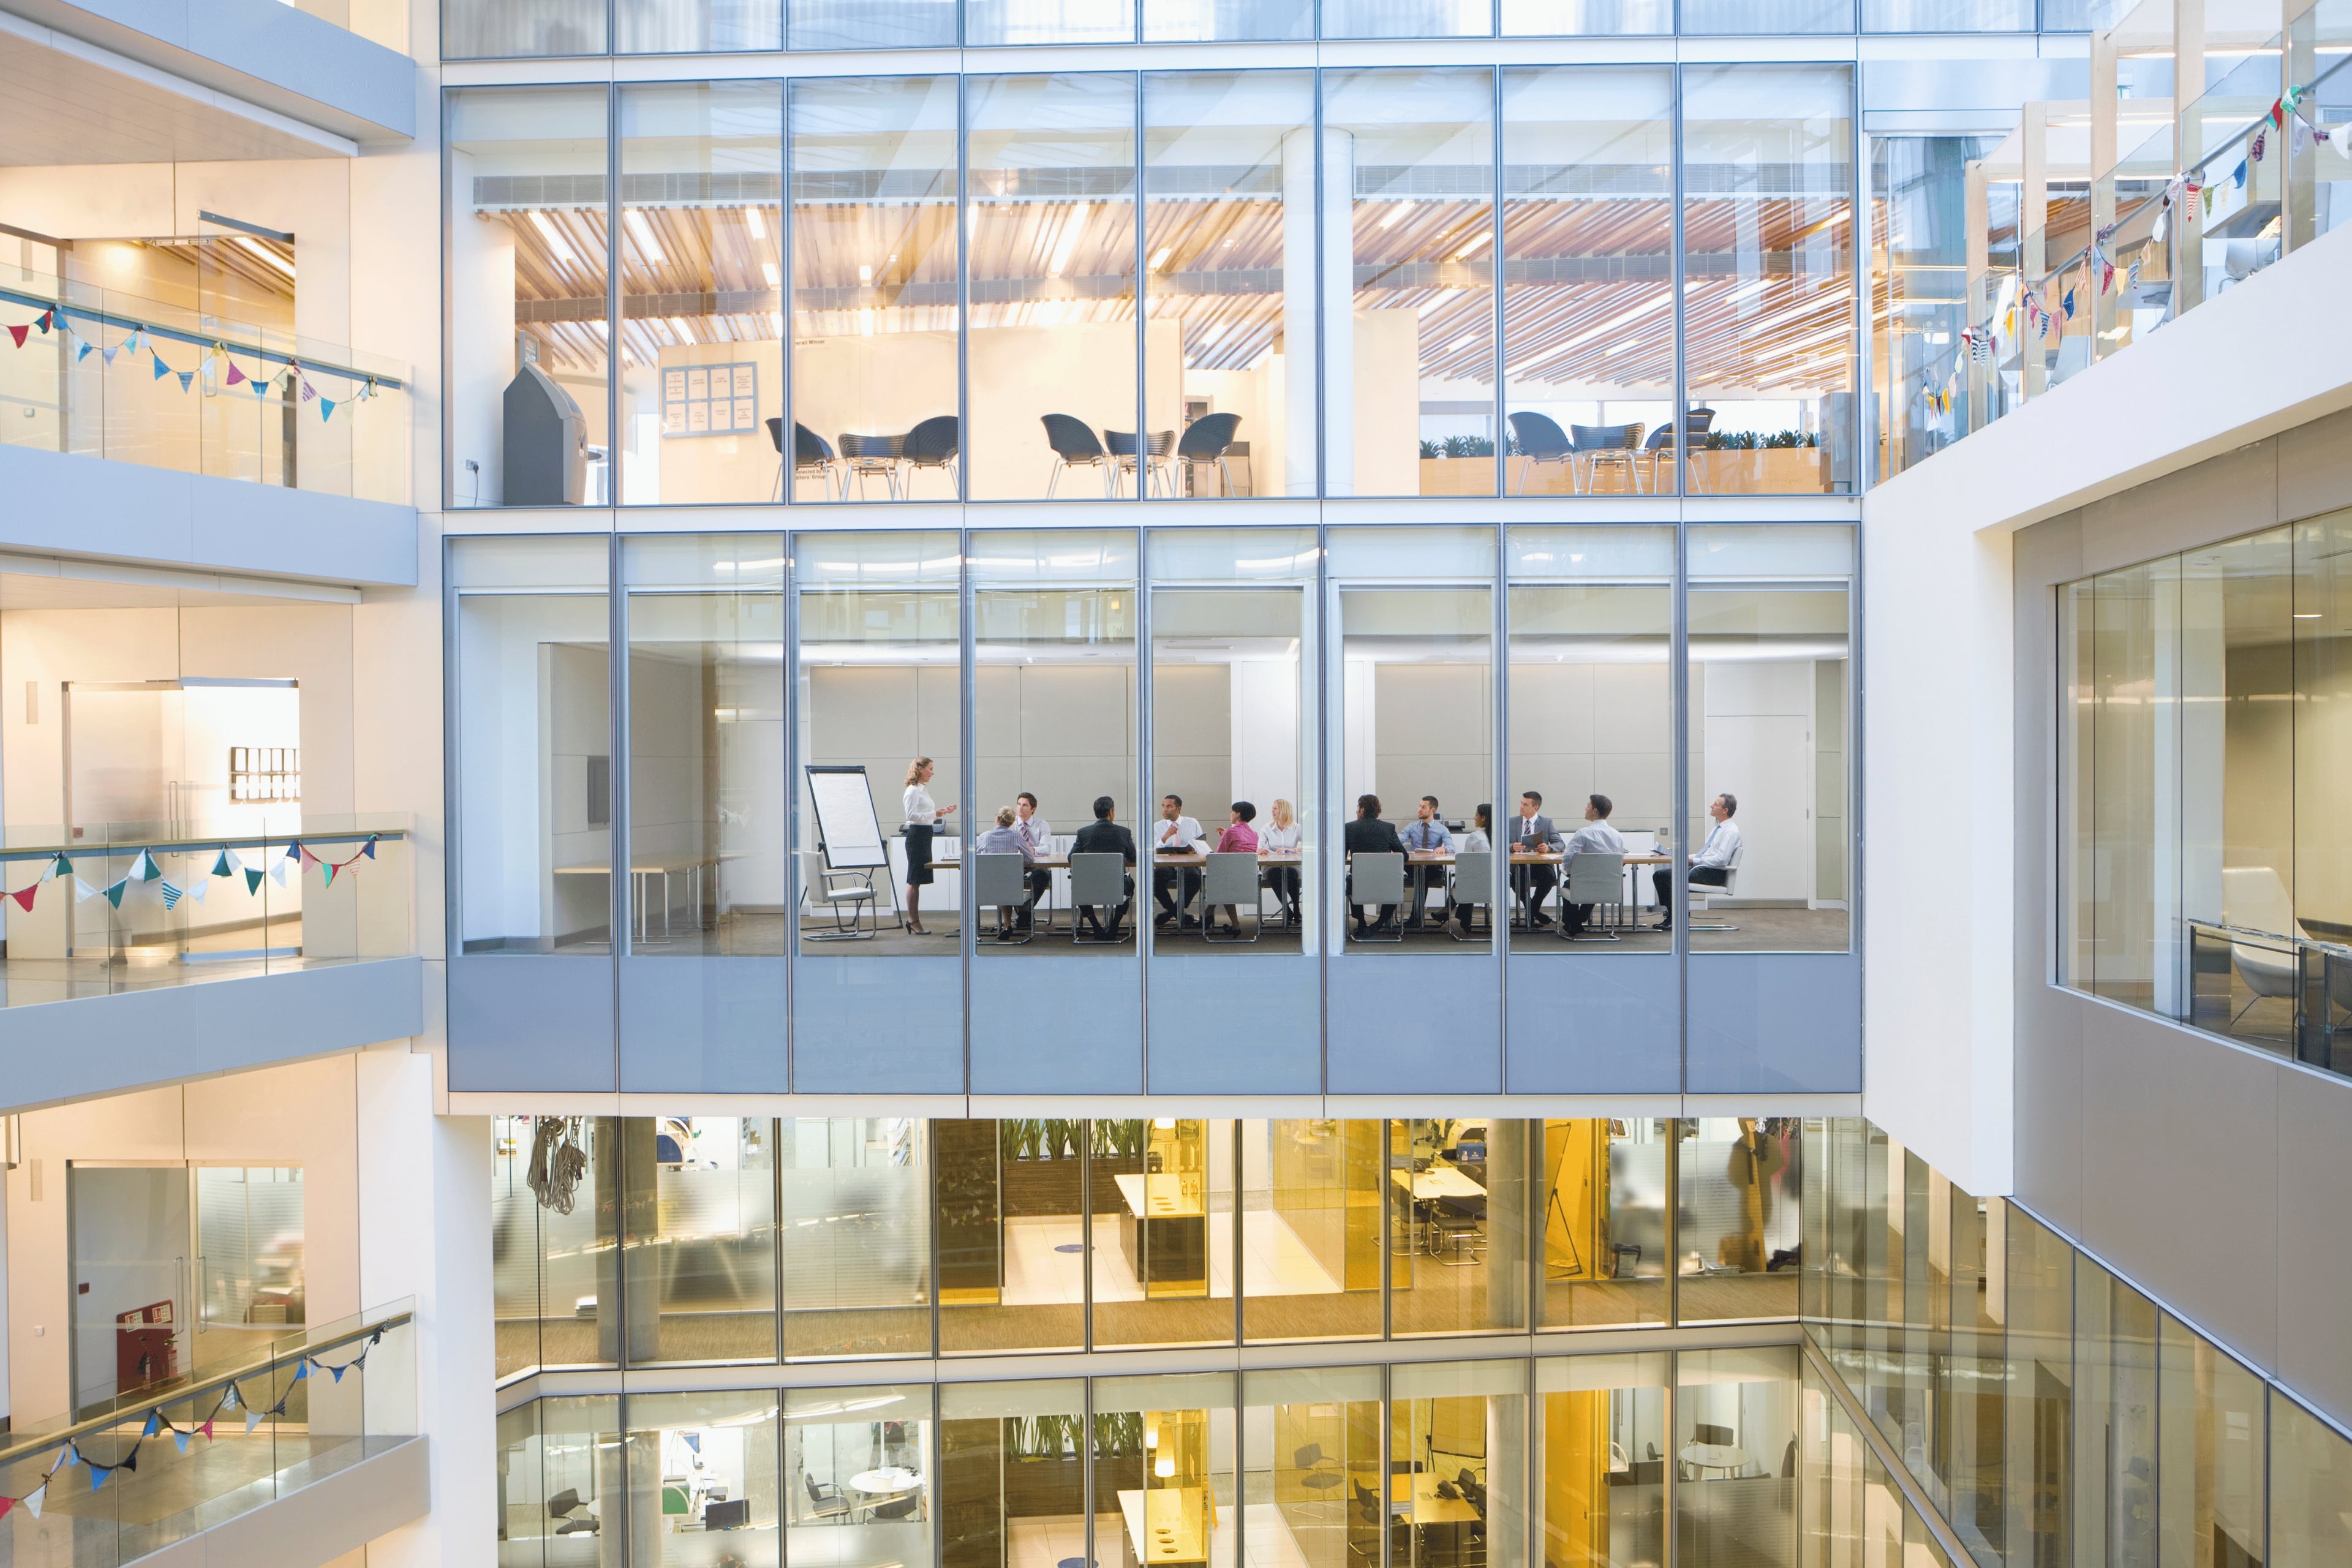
235 375
6 1504
309 393
207 1430
23 897
18 333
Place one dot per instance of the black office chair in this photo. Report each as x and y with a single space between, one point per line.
1541 440
933 444
1709 1433
1075 447
825 1501
563 1507
907 1507
1321 1474
1660 447
1206 440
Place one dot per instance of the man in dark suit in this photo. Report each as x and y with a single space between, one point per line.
1104 837
1369 834
1532 830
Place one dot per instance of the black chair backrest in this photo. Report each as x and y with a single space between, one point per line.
1073 440
1540 436
810 1481
808 447
1695 428
1208 437
1706 1432
932 441
1307 1457
776 433
1605 437
564 1502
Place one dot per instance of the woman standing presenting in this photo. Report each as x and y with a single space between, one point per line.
923 814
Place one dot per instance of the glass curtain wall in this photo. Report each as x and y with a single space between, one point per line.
1604 1187
696 1197
855 1198
1163 1479
1311 1237
1216 21
1229 246
503 29
700 1464
1768 277
1409 366
1735 1455
875 312
1601 1464
858 1475
1457 1484
1051 230
1588 280
871 24
701 324
1737 1225
529 261
1311 1466
1539 18
1162 1234
1012 1474
696 27
1458 1226
1013 1221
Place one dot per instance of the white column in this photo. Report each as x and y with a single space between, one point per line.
2032 250
1336 224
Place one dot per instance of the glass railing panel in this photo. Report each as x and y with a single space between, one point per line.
2320 152
2233 150
101 908
102 372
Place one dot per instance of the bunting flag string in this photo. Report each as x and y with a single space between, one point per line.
147 869
293 375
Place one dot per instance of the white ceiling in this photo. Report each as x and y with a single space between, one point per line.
64 102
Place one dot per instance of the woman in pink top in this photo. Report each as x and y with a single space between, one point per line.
1238 838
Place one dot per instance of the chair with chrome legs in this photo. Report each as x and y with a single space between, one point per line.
1206 442
933 444
1615 445
1541 440
1156 447
871 456
1075 447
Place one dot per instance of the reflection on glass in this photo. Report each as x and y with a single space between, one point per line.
705 692
1409 371
1013 1228
1604 1465
857 1463
561 1476
1311 1443
701 239
873 290
879 669
1458 1242
700 1463
528 335
1767 16
1054 715
1588 303
1457 1463
1766 864
1735 1456
483 30
1012 1473
872 24
987 22
1408 19
670 28
1164 1238
535 744
856 1240
2310 1489
1051 229
1227 154
1523 18
2115 1429
1928 388
697 1199
1737 1225
1311 1230
2211 1430
1767 176
1604 1224
1163 1475
1207 21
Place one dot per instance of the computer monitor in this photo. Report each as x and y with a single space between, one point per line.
733 1514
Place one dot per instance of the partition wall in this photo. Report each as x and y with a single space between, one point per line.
741 903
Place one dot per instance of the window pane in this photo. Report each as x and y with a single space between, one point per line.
1311 1238
2214 1464
2310 1489
1408 19
1408 372
1312 1443
1766 829
528 309
2040 1378
858 1468
1948 16
1766 17
698 1463
1204 21
873 24
707 747
1738 1218
562 1472
697 27
1736 1456
1163 1239
1459 1197
1768 277
993 1435
2134 825
990 22
1605 1221
1588 304
857 1243
1604 1468
1227 154
701 194
697 1198
880 695
2323 673
1163 1480
1462 1427
1013 1228
874 289
501 29
1052 235
1545 17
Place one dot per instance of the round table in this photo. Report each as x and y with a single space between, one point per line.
1724 1456
888 1479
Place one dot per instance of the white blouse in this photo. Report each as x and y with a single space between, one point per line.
922 811
1270 837
1475 843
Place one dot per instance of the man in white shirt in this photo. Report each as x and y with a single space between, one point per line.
1174 831
1595 837
1710 868
1037 833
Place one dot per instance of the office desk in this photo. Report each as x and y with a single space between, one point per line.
1428 1186
1724 1456
1416 1495
1165 1229
1166 1524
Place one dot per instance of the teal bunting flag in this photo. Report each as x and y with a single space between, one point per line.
114 894
83 355
162 370
252 880
153 1421
326 409
225 864
181 1439
145 869
187 378
64 867
172 895
301 1371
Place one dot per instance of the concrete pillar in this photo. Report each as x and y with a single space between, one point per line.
1298 312
2032 255
1508 1219
2189 138
1984 373
628 1287
2104 301
1337 221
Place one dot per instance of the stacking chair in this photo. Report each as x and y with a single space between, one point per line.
1156 447
812 453
1231 881
1458 1225
1541 440
1662 446
1618 445
1097 882
933 444
868 456
1205 441
1473 888
1379 879
847 894
999 880
1595 879
1075 447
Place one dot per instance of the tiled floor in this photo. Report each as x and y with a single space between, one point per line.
1265 1541
1043 1262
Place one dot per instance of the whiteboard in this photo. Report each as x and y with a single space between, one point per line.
846 823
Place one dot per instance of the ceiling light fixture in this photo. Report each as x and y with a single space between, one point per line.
554 237
1481 238
1159 257
263 252
1397 216
1069 242
758 222
650 246
1655 302
866 275
768 270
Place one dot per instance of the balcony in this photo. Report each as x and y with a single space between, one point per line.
308 1447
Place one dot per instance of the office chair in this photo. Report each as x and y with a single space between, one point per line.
1097 882
1541 440
1075 447
564 1507
2254 898
1206 440
1712 1435
812 453
824 1501
907 1507
1003 881
933 444
869 456
1617 444
1377 879
1460 1224
1320 1473
827 890
1473 889
1699 892
1595 879
1231 881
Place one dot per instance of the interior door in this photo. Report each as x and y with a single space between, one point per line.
128 1228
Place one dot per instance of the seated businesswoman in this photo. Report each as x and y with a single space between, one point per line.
922 815
1282 834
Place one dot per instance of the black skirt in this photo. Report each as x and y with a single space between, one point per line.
919 854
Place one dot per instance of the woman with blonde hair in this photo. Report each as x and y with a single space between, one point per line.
922 815
1282 834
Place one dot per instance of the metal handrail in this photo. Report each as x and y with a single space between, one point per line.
217 841
11 1452
198 340
2255 934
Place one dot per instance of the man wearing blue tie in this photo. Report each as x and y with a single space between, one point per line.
1711 867
1425 833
